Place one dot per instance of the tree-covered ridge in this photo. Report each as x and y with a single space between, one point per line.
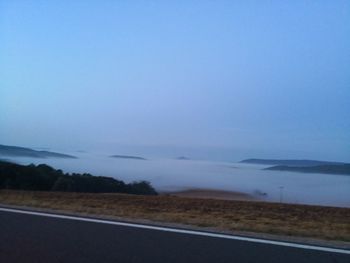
45 178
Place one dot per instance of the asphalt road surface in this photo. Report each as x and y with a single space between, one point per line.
41 238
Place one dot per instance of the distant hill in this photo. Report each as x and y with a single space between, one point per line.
293 163
127 157
183 158
343 169
16 151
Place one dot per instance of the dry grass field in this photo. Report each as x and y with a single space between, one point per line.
328 223
214 194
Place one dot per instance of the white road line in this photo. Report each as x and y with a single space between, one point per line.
183 231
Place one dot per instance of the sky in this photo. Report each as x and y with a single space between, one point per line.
244 78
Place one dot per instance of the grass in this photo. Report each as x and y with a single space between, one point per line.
328 223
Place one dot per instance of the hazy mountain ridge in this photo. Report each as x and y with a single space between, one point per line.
16 151
343 169
291 163
128 157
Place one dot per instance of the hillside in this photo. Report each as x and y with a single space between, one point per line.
15 151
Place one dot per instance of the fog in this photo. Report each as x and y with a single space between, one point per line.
173 175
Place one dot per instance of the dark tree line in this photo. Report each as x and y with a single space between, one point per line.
45 178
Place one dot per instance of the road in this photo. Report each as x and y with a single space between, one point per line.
38 237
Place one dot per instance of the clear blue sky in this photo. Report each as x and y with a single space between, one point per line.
266 77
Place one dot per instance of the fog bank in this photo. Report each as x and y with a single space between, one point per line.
173 175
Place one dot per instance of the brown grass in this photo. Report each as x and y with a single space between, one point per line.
214 194
328 223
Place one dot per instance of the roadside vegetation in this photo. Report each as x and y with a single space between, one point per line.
45 178
327 223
